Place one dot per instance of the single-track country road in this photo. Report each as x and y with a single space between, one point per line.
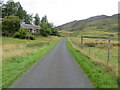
57 69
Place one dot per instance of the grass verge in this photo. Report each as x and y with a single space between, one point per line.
98 76
16 66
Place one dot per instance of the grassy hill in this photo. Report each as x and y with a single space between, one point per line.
96 23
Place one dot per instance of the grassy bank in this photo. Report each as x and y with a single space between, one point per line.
98 76
27 53
97 51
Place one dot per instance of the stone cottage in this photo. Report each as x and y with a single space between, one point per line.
31 28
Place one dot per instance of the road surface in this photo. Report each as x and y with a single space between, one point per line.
57 69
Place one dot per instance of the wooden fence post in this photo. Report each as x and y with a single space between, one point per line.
89 50
81 41
108 56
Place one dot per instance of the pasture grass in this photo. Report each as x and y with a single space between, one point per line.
98 33
98 76
15 65
12 47
100 50
98 53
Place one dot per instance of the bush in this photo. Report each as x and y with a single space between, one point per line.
21 33
30 38
10 25
54 32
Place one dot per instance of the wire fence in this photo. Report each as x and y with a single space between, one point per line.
101 48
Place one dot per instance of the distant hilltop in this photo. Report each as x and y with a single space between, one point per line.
100 22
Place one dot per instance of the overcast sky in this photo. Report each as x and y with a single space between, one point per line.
63 11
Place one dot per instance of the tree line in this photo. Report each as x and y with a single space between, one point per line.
13 15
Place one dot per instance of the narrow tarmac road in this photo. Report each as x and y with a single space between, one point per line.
57 69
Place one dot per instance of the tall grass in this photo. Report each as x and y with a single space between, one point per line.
15 65
12 47
98 76
96 49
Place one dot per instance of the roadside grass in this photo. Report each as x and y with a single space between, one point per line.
14 66
98 76
12 47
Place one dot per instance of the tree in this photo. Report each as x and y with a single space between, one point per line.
28 19
47 28
8 9
44 31
1 3
20 12
12 8
53 30
37 20
44 19
10 25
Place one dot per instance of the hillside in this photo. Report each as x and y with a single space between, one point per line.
98 23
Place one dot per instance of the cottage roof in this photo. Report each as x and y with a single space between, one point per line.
29 26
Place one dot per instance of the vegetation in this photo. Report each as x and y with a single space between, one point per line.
14 14
95 32
99 77
47 28
23 34
96 23
64 33
19 55
15 9
37 20
97 50
10 25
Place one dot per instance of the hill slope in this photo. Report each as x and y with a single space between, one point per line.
98 23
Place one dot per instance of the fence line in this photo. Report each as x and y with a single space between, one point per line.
81 45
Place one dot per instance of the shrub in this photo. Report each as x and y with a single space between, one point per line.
10 25
21 33
30 38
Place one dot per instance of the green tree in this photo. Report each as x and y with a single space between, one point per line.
53 30
28 19
10 25
8 9
1 3
44 19
12 8
37 20
47 28
20 12
44 27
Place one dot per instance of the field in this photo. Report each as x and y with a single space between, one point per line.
64 33
12 47
19 55
92 32
99 77
96 49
